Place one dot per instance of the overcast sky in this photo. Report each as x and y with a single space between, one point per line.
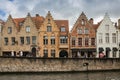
61 9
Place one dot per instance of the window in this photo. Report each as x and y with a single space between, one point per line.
53 40
86 41
9 30
100 38
6 40
48 20
114 37
93 41
27 28
73 41
28 40
79 31
45 53
62 29
33 39
83 22
63 39
86 31
52 53
45 40
80 41
49 28
114 54
21 40
21 23
107 27
13 40
107 37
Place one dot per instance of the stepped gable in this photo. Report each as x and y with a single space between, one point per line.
38 20
78 21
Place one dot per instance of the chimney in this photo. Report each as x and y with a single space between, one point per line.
28 14
37 15
91 20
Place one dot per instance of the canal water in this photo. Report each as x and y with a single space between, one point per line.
109 75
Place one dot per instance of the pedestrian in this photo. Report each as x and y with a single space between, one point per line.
21 53
12 53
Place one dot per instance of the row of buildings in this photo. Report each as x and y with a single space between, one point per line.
45 37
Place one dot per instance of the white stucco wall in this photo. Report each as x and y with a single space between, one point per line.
102 29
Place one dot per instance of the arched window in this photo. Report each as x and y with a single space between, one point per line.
48 20
83 22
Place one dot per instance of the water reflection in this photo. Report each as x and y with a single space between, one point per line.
63 76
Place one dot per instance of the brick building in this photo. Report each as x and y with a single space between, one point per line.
20 35
53 37
83 38
35 36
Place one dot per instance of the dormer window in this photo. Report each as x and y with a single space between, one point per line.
83 22
20 23
9 30
27 28
62 29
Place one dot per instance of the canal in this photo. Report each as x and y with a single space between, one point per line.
104 75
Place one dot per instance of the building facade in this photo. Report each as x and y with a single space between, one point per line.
107 39
1 26
53 37
20 36
45 37
118 26
83 38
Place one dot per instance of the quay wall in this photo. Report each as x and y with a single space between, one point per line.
20 64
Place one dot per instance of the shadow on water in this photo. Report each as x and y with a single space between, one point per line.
103 75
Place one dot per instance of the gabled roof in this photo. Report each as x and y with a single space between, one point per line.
38 20
61 23
97 25
81 17
17 22
2 22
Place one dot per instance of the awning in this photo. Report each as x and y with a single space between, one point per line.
115 49
108 49
84 50
101 49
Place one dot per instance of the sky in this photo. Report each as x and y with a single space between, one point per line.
61 9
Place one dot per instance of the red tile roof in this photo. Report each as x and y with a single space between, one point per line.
97 25
17 22
38 20
61 23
